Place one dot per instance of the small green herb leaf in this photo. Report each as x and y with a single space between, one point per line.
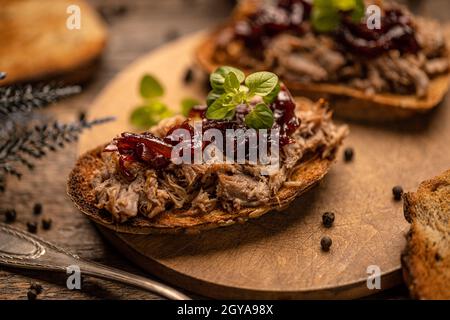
359 11
231 84
148 115
261 83
187 104
212 96
261 117
222 108
344 5
150 87
325 18
273 94
217 78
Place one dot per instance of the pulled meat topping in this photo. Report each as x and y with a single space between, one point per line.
400 57
199 189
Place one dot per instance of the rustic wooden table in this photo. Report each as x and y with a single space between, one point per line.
136 27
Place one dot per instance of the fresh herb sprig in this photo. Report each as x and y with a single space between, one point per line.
231 88
152 109
327 14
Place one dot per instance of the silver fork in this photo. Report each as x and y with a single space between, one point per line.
20 249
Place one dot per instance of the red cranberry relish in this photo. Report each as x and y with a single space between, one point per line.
396 32
155 152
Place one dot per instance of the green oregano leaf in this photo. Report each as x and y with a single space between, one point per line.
261 83
231 84
221 108
273 94
261 117
217 78
212 96
187 104
150 87
150 114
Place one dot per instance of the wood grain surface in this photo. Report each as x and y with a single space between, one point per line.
136 27
278 255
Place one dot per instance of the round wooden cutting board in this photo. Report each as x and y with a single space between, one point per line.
279 255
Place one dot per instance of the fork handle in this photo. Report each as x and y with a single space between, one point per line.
108 273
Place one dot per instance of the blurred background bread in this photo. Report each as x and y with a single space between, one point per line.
36 43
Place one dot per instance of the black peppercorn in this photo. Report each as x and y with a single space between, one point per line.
325 243
46 223
10 215
348 154
37 209
32 294
82 116
397 191
2 75
328 219
36 287
188 76
32 227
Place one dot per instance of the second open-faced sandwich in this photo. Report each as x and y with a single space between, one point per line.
253 149
385 63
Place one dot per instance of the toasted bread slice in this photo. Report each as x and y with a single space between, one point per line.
38 45
81 193
348 102
426 258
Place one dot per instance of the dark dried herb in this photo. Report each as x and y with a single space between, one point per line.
21 148
26 98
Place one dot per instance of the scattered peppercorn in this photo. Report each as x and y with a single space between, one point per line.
36 287
188 76
348 154
32 227
326 243
397 191
2 75
10 215
32 294
328 219
82 116
46 224
37 209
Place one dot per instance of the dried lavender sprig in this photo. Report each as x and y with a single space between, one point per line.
22 147
25 98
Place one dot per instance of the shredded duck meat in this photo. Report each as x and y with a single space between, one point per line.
311 57
199 189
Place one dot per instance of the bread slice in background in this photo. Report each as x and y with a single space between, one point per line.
36 44
426 258
348 102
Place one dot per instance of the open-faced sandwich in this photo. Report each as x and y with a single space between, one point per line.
371 61
253 149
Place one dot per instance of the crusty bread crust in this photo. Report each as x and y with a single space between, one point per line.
80 191
426 258
40 46
348 102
